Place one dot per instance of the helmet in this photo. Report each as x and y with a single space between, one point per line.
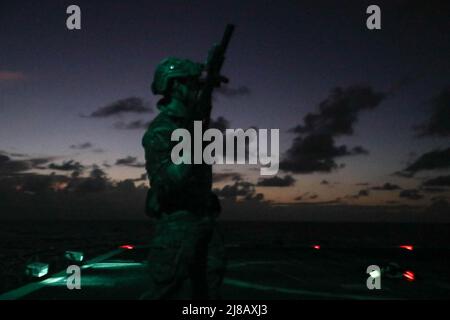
171 68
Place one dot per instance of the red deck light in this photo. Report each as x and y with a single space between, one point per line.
409 275
127 246
407 247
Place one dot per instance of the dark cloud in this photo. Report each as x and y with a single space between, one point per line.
387 187
132 125
411 194
301 197
106 164
276 181
314 148
14 154
315 153
96 182
37 163
439 122
220 123
240 189
43 196
69 165
126 185
10 166
30 183
4 158
324 182
314 196
130 162
230 92
82 146
339 112
41 183
363 193
223 176
128 105
143 177
86 146
441 181
433 160
363 184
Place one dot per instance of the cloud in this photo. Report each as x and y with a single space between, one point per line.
142 177
39 183
128 105
276 181
441 181
230 92
433 160
132 125
30 183
363 193
9 166
81 146
240 189
387 187
301 197
314 148
219 123
129 162
96 182
339 112
439 122
324 182
315 153
70 165
411 194
11 76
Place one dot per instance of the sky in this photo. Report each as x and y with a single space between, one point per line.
363 114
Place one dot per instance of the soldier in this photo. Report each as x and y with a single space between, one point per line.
186 258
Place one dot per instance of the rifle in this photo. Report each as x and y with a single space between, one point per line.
213 78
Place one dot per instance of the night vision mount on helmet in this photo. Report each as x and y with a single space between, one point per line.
173 68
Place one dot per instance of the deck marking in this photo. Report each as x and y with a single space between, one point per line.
250 285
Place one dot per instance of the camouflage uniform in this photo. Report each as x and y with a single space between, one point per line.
186 258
